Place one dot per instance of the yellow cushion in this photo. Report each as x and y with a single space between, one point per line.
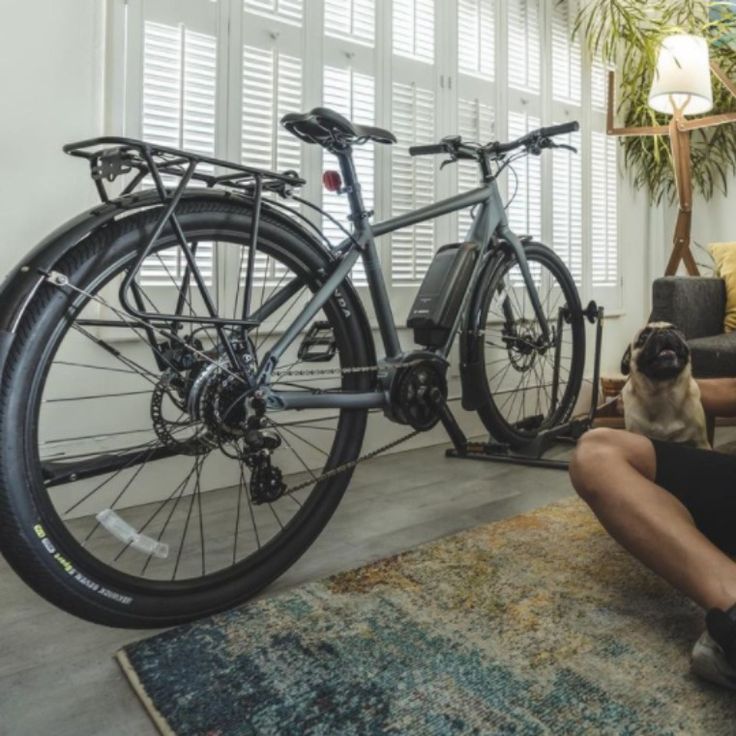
724 255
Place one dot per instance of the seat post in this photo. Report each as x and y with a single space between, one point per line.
351 183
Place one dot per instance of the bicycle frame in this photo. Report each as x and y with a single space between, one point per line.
132 155
490 219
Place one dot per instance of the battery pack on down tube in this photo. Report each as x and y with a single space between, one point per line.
441 294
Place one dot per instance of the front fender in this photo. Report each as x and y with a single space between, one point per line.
20 285
471 356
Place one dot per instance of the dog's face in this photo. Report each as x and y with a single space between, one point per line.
658 351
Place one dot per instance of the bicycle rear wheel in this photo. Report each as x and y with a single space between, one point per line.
125 497
527 384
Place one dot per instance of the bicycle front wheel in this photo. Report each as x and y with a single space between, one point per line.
529 384
126 494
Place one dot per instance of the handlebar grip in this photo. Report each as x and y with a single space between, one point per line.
561 129
427 150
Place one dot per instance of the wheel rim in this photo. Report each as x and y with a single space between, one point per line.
174 540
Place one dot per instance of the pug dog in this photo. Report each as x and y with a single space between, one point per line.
661 399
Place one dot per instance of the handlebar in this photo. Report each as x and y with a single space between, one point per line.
536 139
428 150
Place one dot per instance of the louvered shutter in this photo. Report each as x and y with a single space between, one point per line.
476 26
475 123
476 37
523 45
412 181
603 205
566 62
598 85
565 195
351 19
287 11
413 29
178 110
271 85
567 206
413 122
353 95
525 208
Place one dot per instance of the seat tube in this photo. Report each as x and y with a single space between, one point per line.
373 273
352 185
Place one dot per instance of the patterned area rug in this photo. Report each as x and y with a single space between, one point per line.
535 625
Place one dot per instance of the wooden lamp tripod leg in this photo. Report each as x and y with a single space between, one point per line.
680 146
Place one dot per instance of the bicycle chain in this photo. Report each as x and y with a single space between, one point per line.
350 465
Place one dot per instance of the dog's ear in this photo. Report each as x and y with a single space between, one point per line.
626 362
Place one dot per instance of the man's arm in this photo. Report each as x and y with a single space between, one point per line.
718 396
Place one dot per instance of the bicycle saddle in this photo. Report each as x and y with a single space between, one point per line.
324 126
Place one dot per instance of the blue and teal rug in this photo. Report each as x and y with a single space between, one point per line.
535 625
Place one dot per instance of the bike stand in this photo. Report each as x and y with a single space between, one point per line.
533 453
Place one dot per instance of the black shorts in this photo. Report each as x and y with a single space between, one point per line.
705 482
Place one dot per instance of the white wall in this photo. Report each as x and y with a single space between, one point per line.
713 222
51 65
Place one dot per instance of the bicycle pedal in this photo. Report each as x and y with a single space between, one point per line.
318 345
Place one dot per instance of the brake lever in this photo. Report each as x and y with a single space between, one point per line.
451 160
549 143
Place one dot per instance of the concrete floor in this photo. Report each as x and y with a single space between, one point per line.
57 673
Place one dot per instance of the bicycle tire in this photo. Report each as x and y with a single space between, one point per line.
32 537
489 403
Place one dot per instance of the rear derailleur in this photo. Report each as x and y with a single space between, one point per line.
266 480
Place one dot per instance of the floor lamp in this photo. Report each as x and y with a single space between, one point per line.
681 87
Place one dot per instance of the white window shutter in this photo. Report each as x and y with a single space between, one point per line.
523 43
351 19
413 181
525 189
178 110
353 95
272 86
476 38
598 86
603 205
413 29
476 124
566 61
567 206
287 11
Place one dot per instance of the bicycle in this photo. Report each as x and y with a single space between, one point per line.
91 519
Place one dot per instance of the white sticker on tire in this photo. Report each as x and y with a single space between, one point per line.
123 531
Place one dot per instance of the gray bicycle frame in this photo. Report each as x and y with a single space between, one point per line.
490 219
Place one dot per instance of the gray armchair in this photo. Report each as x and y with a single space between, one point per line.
696 305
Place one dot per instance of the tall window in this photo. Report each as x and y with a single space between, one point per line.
217 77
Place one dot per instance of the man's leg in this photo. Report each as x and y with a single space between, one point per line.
613 471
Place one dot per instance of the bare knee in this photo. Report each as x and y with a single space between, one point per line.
598 452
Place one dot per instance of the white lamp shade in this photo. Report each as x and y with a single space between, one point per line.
682 76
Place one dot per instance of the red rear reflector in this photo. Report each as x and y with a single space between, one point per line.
332 181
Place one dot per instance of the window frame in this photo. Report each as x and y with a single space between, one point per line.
317 49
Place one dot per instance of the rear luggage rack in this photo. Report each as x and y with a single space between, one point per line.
110 157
